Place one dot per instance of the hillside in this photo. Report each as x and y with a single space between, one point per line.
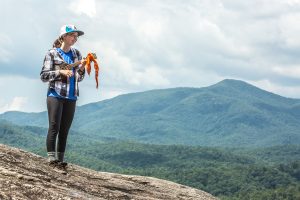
230 113
27 176
224 172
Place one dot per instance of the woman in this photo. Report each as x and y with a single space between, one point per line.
62 91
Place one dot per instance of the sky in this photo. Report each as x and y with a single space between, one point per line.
151 44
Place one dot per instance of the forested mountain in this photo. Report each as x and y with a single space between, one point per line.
230 113
239 173
230 139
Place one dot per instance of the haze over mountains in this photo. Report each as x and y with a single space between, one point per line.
230 113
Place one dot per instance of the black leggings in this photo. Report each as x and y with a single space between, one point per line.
60 115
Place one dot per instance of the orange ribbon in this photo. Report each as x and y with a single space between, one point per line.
90 58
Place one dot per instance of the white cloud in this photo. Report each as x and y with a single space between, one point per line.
5 42
22 94
86 7
293 72
267 85
124 71
290 30
144 45
148 26
16 104
293 2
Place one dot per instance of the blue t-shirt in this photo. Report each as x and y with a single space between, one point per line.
68 58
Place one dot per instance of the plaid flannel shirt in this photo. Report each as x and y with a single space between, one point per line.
50 72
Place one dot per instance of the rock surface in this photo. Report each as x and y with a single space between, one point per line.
24 175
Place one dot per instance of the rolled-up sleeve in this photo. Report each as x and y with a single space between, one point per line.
48 72
80 74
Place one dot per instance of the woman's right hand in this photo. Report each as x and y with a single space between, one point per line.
67 73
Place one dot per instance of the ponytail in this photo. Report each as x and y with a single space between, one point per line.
57 43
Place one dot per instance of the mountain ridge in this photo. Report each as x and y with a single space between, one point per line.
228 113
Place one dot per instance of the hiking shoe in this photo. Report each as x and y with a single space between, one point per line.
62 165
58 166
53 163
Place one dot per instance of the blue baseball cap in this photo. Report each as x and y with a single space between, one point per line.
70 29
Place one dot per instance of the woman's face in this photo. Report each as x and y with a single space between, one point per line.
71 38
